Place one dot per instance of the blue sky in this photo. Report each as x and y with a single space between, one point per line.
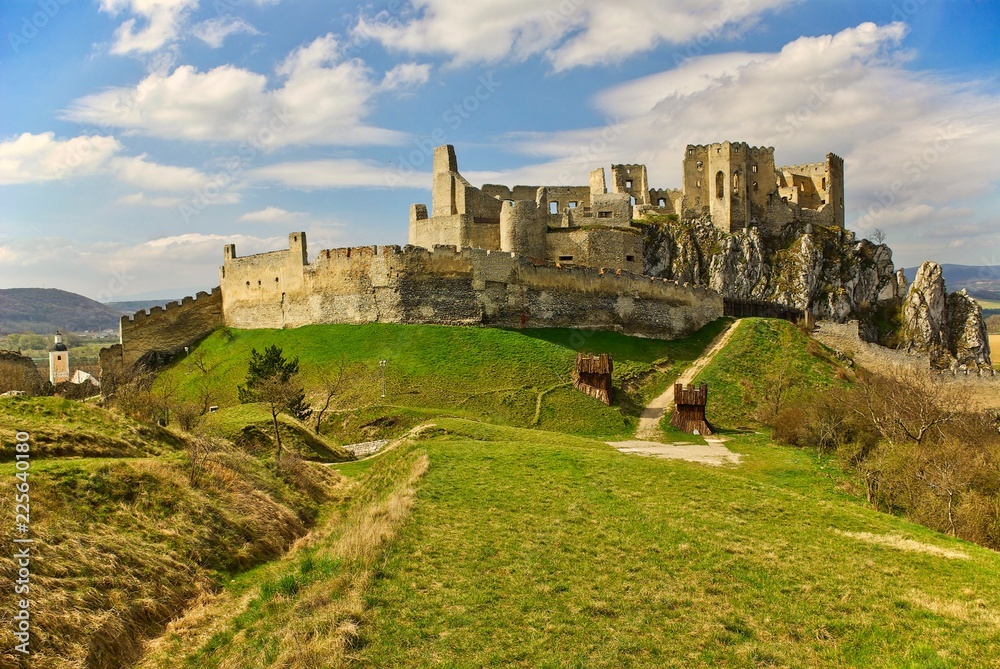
139 136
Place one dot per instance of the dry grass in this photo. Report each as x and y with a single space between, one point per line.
123 545
902 543
305 610
975 611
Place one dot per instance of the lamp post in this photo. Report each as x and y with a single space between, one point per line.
381 364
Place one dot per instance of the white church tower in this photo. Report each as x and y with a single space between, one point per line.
58 361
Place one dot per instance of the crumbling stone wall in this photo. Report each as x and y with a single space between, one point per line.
165 330
451 286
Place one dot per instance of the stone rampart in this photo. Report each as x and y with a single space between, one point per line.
451 286
167 329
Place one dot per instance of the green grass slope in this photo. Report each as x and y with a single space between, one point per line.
517 377
764 365
122 539
536 549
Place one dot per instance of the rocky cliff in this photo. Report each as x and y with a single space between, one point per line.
831 273
948 327
825 270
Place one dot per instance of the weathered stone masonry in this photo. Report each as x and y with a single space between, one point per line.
451 286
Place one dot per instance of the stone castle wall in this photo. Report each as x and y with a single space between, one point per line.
451 286
165 330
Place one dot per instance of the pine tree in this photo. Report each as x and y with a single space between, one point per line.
270 379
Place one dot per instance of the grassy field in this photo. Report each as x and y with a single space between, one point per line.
536 549
515 377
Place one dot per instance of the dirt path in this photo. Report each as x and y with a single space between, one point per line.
649 421
714 452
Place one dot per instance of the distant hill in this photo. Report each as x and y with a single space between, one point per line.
45 310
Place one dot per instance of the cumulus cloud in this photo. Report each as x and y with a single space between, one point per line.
214 32
160 23
568 33
339 173
33 158
909 138
273 215
406 75
323 99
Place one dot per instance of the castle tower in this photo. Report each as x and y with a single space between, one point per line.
58 361
731 181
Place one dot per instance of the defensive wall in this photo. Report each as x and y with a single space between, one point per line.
165 330
448 285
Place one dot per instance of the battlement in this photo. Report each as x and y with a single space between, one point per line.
158 310
691 148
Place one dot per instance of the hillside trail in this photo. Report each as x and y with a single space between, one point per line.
646 442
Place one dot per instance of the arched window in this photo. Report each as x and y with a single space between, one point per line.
720 184
662 202
736 183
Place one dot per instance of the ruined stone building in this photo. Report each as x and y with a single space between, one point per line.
737 185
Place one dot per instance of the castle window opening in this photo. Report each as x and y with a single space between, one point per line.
248 284
628 184
699 165
632 200
719 150
661 202
565 257
755 187
554 207
276 279
572 205
720 184
604 214
824 183
690 152
754 169
736 183
258 283
629 258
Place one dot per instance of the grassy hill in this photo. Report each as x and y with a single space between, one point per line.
529 549
46 310
515 377
123 539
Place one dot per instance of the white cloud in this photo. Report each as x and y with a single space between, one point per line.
214 32
33 158
162 21
339 173
137 171
569 33
144 200
406 75
273 215
323 99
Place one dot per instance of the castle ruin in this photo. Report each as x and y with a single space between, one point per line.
535 256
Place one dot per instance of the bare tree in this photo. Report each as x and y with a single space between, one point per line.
878 236
333 379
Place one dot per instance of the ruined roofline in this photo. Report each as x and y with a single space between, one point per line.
169 306
800 167
716 144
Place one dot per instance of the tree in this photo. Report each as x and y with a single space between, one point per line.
878 236
333 379
270 380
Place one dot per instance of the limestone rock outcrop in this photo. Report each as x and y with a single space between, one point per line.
950 328
815 268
